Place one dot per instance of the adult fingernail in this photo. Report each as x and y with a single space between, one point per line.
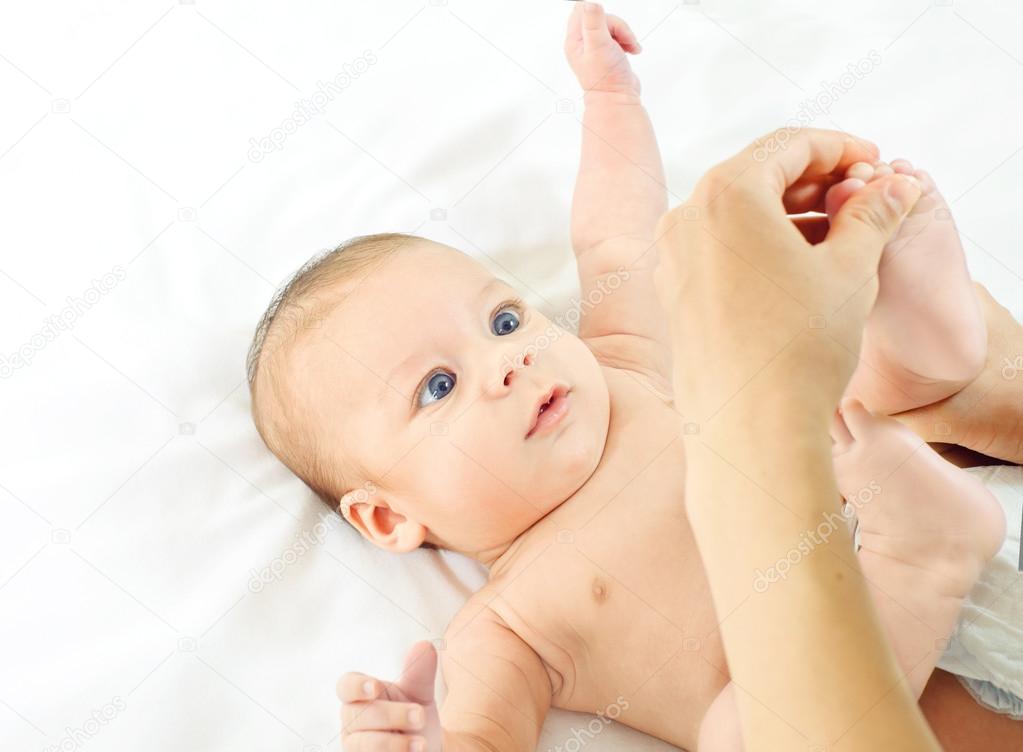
367 689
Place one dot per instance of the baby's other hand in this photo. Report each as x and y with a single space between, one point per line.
596 45
392 717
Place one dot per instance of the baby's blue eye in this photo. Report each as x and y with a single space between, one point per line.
505 322
436 387
440 383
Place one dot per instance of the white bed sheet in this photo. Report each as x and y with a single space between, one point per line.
136 498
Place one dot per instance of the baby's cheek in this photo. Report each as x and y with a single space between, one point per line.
456 468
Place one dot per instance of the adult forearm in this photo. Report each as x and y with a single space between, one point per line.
620 187
800 632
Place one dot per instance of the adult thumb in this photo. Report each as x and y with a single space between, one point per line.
869 219
417 677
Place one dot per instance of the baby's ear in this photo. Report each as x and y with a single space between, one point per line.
373 517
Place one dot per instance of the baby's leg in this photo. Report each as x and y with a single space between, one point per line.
927 528
925 337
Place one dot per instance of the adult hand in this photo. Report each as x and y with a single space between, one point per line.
765 328
750 295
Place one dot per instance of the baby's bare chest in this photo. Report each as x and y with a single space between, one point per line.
614 598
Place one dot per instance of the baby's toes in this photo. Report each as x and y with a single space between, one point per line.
926 181
839 193
860 170
881 169
902 166
931 205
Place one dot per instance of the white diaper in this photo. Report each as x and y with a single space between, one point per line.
986 650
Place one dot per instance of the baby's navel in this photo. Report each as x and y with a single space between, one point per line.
599 590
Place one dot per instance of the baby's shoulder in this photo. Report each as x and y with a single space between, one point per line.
480 628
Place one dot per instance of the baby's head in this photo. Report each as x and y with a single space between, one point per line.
401 381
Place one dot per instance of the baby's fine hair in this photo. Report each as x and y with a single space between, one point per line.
300 304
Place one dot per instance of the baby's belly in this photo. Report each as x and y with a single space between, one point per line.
636 685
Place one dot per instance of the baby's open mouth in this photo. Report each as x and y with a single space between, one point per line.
549 410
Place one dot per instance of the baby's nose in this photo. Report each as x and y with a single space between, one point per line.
509 369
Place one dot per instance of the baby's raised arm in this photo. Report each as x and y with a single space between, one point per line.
620 188
620 195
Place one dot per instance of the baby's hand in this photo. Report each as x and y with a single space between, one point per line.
392 717
595 46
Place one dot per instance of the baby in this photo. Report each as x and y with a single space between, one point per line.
421 396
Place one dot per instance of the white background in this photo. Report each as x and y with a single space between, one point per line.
136 498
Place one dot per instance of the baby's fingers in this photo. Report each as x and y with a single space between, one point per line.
382 741
624 35
356 687
594 25
381 716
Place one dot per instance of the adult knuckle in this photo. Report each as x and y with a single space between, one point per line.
781 133
715 180
776 139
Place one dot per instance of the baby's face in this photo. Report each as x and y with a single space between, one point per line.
429 375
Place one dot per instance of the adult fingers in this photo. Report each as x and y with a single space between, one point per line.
870 217
782 158
808 194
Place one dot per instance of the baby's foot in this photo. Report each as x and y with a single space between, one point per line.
927 528
925 337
